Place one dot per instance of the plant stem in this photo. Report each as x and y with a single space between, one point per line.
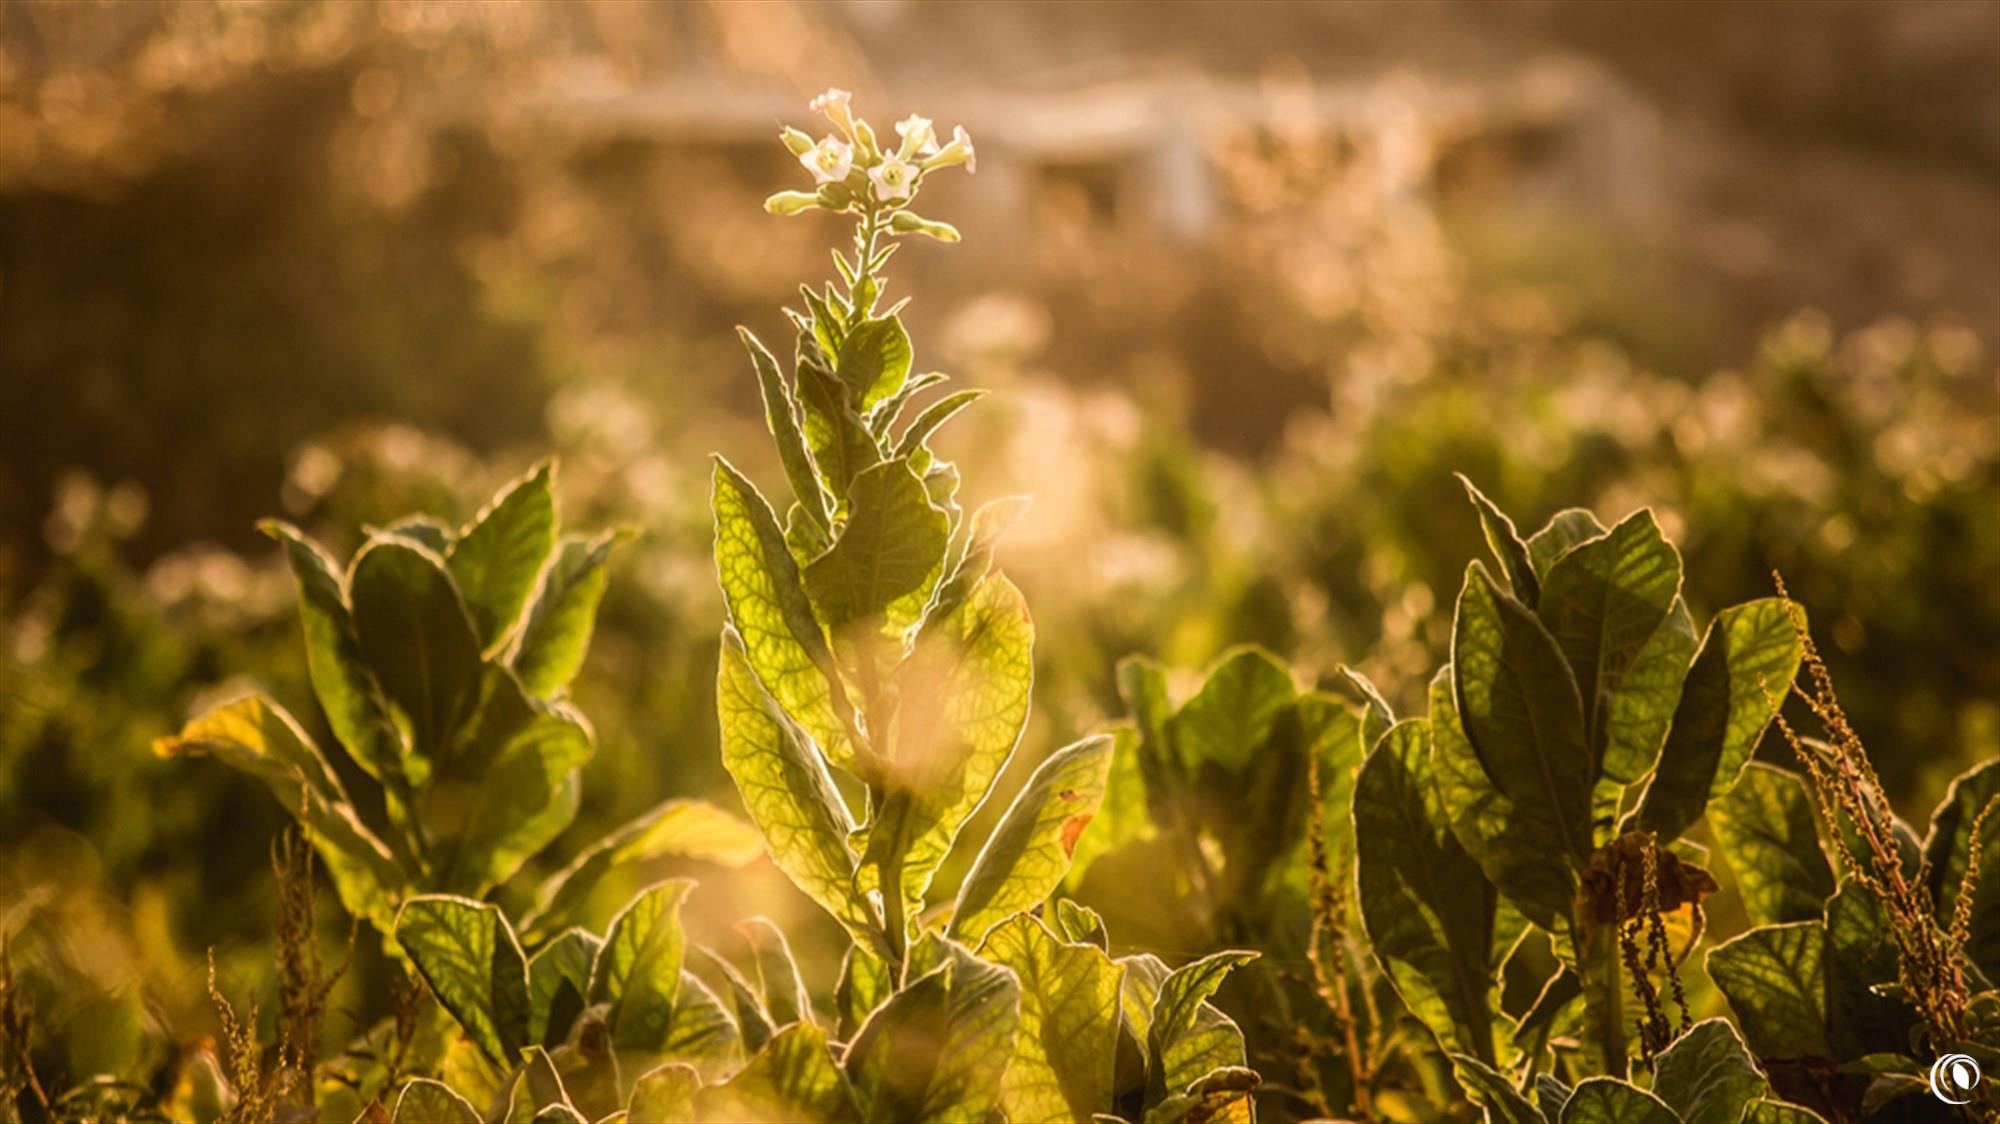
1603 998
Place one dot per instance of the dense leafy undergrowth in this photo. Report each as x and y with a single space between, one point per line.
1491 907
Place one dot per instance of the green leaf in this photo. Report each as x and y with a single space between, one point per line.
1750 649
638 971
1860 958
414 633
1506 545
1234 713
346 690
1773 979
1603 601
255 736
787 791
421 530
558 981
793 1079
681 828
700 1030
839 439
893 541
965 692
1080 924
874 361
1067 1040
1427 908
1569 527
753 1022
538 1089
781 417
1122 815
933 417
424 1101
1768 829
468 955
1377 714
1706 1074
1517 702
509 789
778 980
1948 847
1642 708
769 607
1186 1035
938 1048
1608 1100
499 556
1487 1087
564 613
1511 847
1029 851
865 981
664 1094
1767 1111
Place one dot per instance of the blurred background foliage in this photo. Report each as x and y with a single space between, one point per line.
1251 282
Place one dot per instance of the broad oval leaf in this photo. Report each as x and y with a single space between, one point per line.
1707 1074
412 629
1518 704
1067 1041
1746 661
791 1080
664 1094
424 1101
1608 1100
1768 829
1773 977
893 541
938 1048
874 361
1234 713
1640 711
1427 908
467 953
787 791
1029 851
498 557
1186 1035
638 971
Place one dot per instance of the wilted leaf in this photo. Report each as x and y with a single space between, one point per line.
638 971
497 559
1706 1074
1750 650
558 982
937 1049
1067 1040
681 828
468 955
1427 908
792 1080
1029 851
1768 829
1608 1100
893 541
1772 977
787 791
564 614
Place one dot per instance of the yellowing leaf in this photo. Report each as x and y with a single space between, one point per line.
1066 1044
1029 851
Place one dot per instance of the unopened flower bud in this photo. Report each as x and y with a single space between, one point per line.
791 202
909 222
797 140
834 104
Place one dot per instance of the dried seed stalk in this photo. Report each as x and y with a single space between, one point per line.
17 1064
1327 945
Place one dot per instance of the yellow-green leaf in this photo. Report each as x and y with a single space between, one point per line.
681 828
792 1080
413 631
468 955
665 1094
1706 1074
1768 829
498 557
556 635
1608 1100
1029 851
781 417
1067 1041
558 981
1773 977
424 1101
1642 708
1187 1036
638 971
938 1048
892 543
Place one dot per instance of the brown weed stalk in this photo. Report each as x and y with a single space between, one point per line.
17 1064
1327 945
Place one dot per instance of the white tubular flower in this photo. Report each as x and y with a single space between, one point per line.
834 104
830 160
893 178
959 151
919 136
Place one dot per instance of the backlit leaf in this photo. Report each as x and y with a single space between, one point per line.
665 1094
467 953
558 982
498 558
1949 848
1772 977
874 361
1566 528
424 1101
792 1080
1608 1100
1186 1035
1487 1087
1234 713
638 971
781 417
414 633
563 614
893 541
1067 1040
680 828
1706 1074
510 787
1768 829
937 1049
778 981
1640 711
1506 545
1029 851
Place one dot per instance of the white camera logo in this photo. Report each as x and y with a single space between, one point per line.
1953 1077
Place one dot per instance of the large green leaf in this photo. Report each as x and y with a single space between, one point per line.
414 633
558 981
509 789
792 1080
1512 848
424 1101
538 1095
1747 660
498 558
681 828
563 614
664 1094
841 445
1186 1036
1768 829
1518 704
1773 979
1860 960
874 361
467 953
1492 1090
779 985
1640 711
773 616
700 1031
965 693
781 416
638 971
1122 816
1949 847
1506 545
257 737
787 791
1427 908
938 1048
1706 1074
865 981
1234 713
1029 852
1603 601
1567 528
341 680
1608 1100
1067 1041
893 541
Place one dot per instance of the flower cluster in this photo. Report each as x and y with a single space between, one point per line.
855 172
